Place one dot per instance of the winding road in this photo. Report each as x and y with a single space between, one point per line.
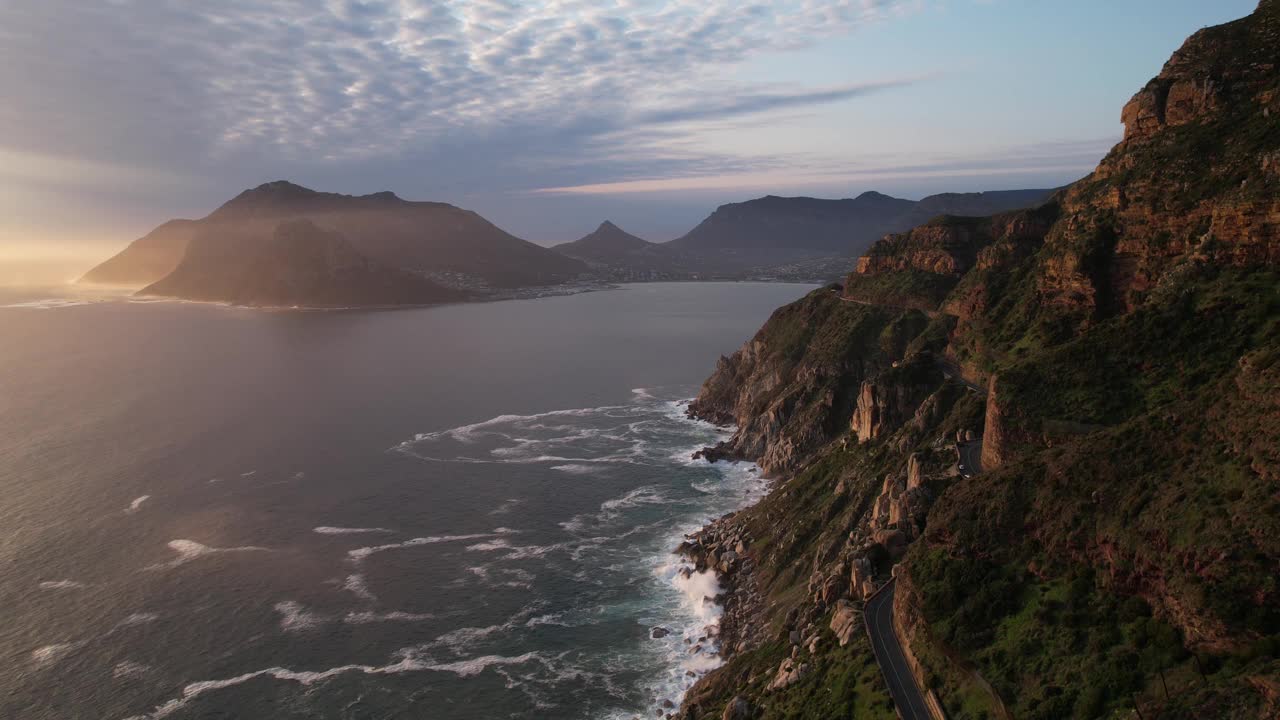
906 694
970 457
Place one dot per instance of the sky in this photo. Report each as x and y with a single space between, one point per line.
550 116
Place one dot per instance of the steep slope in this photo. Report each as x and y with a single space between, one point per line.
1113 358
298 265
428 238
148 258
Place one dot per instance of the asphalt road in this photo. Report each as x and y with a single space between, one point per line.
893 663
970 457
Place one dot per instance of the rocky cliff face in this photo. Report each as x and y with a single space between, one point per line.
1123 533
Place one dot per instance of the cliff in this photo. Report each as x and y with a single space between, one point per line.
1059 425
445 242
299 265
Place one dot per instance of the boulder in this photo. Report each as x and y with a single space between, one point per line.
844 622
915 474
737 709
789 673
895 541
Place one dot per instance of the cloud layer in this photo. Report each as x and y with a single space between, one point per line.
169 83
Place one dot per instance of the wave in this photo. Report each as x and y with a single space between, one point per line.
49 304
136 504
359 554
294 617
326 530
356 585
129 670
408 662
507 506
141 618
189 550
364 618
49 655
63 585
572 469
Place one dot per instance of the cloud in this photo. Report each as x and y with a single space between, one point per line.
1068 159
758 102
171 84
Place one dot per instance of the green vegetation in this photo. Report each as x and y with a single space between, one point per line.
904 288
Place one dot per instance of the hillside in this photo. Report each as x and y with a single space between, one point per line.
434 239
1058 429
299 265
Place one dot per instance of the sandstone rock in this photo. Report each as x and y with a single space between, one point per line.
915 475
789 673
844 622
895 541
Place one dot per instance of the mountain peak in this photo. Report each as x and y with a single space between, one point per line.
282 186
608 225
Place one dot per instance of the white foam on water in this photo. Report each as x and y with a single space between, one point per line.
294 617
356 585
409 661
50 304
578 469
359 554
503 577
365 618
189 550
699 591
251 473
515 552
136 504
49 655
507 506
130 670
141 618
326 530
63 585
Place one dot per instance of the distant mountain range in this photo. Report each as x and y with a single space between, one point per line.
283 244
758 236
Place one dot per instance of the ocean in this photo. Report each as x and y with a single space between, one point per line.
457 512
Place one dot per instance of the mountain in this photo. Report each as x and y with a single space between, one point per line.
839 227
433 239
148 258
779 237
300 264
621 256
1038 453
606 242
